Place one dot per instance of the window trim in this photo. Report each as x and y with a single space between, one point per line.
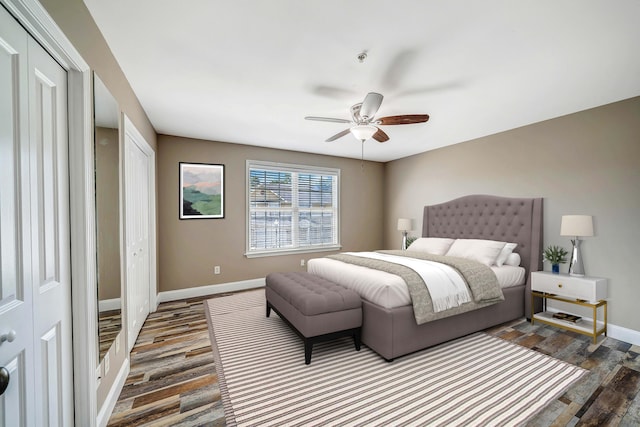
297 168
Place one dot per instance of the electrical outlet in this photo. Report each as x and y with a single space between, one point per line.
301 263
216 269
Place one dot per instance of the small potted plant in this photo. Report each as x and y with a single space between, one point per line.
556 256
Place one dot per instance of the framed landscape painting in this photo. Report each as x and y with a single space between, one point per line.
201 191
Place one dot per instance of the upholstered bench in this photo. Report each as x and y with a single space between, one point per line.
315 308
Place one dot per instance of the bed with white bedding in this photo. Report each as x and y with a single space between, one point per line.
389 290
497 236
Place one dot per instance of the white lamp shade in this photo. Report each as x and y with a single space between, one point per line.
404 224
576 225
363 132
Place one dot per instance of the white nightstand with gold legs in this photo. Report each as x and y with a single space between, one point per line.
590 292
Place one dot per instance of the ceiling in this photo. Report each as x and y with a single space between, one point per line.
249 71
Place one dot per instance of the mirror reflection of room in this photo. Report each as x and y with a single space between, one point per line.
107 175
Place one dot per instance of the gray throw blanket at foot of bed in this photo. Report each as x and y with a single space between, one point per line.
482 282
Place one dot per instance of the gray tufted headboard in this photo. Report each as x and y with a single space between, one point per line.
505 219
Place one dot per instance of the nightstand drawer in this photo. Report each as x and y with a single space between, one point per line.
584 288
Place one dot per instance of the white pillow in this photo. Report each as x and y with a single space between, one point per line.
513 259
432 245
504 253
484 251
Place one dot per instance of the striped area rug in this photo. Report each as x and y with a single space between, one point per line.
477 380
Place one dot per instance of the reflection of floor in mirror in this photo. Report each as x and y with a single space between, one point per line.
109 326
173 378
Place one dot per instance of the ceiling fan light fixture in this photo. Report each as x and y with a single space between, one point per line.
363 132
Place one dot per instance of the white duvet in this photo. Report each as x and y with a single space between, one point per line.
386 289
446 287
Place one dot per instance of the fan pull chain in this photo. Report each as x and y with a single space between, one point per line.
362 157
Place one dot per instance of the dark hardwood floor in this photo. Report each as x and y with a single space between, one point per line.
173 380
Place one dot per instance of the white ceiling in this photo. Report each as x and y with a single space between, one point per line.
249 71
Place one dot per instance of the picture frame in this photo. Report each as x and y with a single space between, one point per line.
201 191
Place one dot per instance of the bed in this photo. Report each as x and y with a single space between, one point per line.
391 330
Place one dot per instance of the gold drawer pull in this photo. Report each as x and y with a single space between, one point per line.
559 285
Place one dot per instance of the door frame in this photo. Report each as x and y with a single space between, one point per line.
36 20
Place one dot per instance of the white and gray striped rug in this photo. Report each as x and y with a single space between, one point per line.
477 380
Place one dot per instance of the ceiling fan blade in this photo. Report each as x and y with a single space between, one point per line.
370 105
380 136
338 135
406 119
327 119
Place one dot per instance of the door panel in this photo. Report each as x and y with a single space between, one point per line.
35 288
137 212
50 238
50 345
16 292
44 111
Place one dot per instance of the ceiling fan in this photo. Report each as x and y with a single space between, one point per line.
365 125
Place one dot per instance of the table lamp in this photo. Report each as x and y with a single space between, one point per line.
404 225
576 226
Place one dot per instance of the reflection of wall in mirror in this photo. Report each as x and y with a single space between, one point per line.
108 212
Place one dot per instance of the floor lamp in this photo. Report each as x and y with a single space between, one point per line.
404 225
576 226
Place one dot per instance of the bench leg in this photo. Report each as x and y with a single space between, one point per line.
268 309
308 346
356 339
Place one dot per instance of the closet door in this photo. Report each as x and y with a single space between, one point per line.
50 238
16 290
35 288
137 229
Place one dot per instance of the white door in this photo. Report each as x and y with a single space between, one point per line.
137 207
35 287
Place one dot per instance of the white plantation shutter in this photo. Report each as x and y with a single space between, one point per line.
291 208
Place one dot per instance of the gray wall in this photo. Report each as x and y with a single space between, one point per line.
584 163
189 249
107 155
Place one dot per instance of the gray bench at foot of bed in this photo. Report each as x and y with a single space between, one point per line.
315 308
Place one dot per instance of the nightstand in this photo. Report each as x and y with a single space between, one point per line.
582 291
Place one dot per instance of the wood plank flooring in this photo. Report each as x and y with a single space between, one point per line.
173 380
109 326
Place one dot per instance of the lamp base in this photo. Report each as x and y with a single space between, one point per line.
576 267
404 240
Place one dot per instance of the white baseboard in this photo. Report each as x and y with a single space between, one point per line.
623 334
112 398
109 304
210 290
617 332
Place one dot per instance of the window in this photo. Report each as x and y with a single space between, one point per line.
291 208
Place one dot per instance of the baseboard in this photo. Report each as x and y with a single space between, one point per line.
210 290
617 332
109 304
112 398
623 334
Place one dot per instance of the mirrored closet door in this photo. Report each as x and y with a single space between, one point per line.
108 215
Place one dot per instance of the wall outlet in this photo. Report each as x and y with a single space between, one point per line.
216 269
301 263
